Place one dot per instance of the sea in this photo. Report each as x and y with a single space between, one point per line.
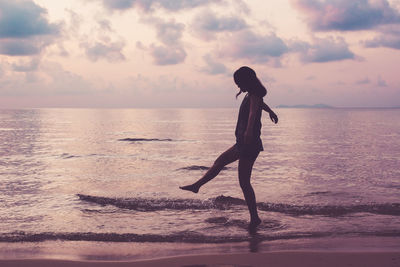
103 184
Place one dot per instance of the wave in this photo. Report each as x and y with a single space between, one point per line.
266 225
182 237
319 193
68 156
144 140
152 204
332 210
198 168
227 202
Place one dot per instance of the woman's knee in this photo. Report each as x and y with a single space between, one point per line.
226 158
219 163
245 184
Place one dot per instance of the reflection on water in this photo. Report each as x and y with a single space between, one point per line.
323 173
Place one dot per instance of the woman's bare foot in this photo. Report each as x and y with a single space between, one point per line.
191 187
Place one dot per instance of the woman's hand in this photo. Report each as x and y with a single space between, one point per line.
273 116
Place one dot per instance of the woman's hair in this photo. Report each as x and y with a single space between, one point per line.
247 76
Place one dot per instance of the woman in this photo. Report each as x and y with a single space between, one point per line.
248 143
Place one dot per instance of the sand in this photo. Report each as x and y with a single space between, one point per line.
270 259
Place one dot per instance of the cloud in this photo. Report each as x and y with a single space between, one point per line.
213 67
171 50
111 51
31 65
24 28
248 45
48 78
207 23
175 5
366 80
164 55
258 48
23 19
150 5
345 15
100 41
118 4
169 33
65 82
75 22
384 41
323 50
241 7
105 25
381 82
21 47
389 36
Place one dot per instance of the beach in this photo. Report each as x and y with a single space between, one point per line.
326 252
272 259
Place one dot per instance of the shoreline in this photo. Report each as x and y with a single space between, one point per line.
86 251
270 259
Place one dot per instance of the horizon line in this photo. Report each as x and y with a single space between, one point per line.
196 107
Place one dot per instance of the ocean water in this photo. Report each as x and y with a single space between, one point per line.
112 176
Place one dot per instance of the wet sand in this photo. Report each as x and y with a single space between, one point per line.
271 259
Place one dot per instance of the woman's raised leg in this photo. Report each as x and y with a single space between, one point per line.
224 159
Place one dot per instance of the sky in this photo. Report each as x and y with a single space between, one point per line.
182 53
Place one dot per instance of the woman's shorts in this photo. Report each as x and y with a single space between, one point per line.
249 151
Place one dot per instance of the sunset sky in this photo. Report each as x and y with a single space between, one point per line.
182 53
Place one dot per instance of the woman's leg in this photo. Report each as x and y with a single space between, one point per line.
245 168
224 159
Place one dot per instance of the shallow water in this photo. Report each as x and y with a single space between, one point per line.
113 175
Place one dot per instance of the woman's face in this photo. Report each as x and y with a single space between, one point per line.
242 86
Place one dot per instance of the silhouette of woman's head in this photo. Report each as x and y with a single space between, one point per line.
247 81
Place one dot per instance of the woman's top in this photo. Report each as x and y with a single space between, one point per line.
241 126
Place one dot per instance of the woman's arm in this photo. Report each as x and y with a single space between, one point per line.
272 115
266 107
255 103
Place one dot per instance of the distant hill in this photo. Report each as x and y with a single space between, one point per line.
305 106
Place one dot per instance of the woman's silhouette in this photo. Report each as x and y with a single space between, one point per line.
248 143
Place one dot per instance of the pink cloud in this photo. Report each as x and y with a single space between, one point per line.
344 15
